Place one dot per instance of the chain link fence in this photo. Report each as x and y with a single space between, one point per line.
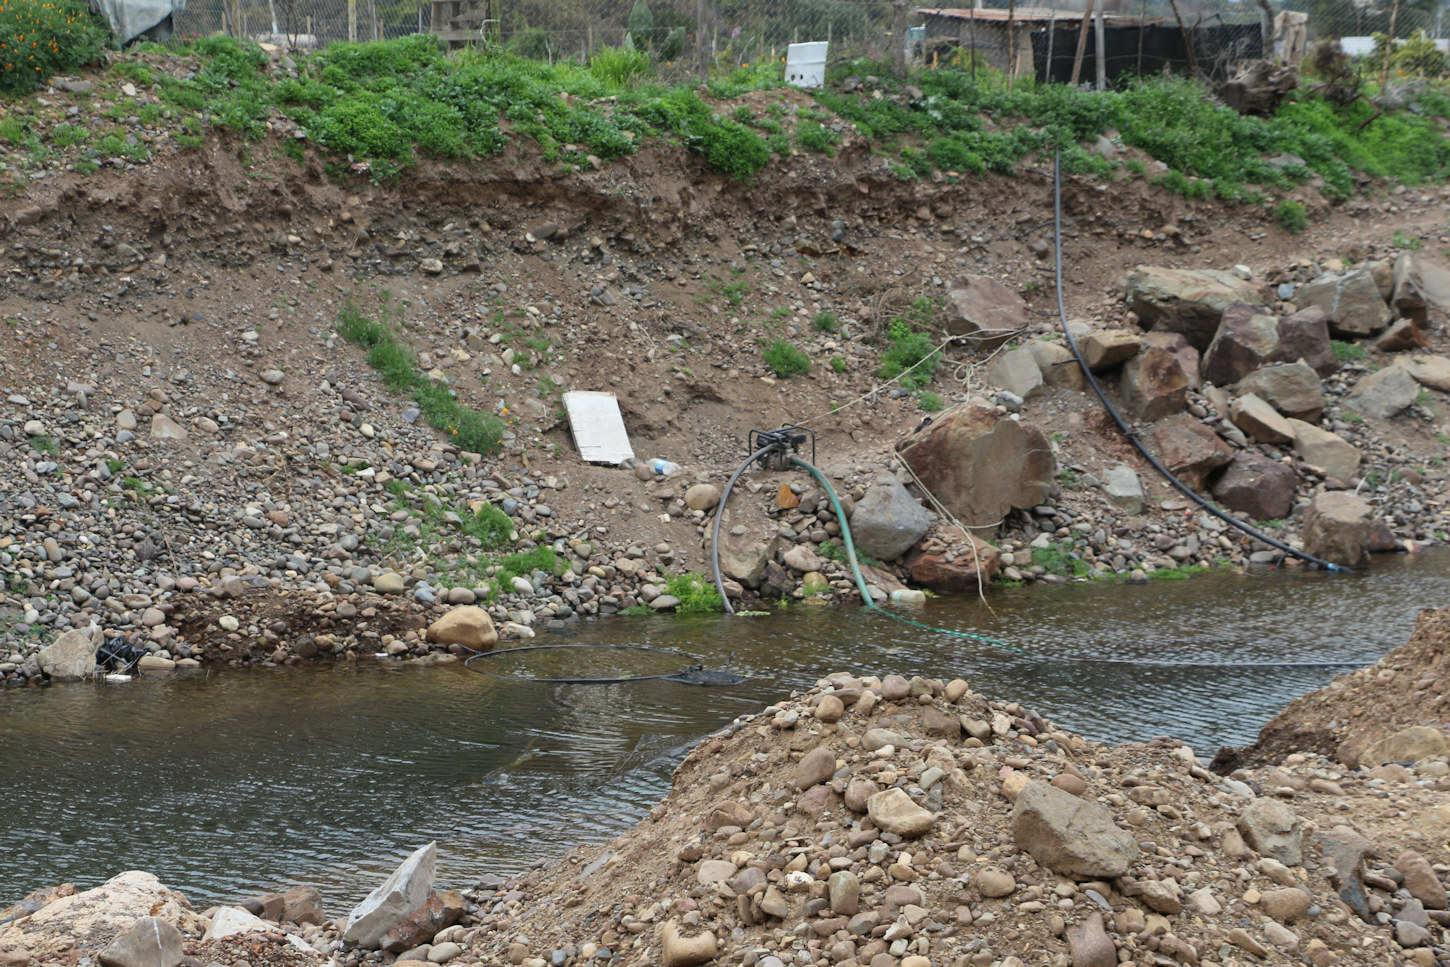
1069 42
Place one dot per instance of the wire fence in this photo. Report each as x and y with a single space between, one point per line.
1075 41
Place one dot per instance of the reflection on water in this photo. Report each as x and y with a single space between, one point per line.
238 781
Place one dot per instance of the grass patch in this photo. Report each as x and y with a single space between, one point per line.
44 444
911 356
930 402
397 366
825 321
1060 559
1347 352
786 360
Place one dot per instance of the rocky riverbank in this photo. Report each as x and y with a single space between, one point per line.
895 822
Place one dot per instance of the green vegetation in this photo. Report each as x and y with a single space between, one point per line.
620 68
1347 352
833 551
911 356
1403 241
1180 573
838 365
930 402
695 593
1061 559
825 322
786 360
41 39
397 366
1290 216
44 444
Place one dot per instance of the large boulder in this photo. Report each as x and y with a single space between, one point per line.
743 558
958 566
469 626
1429 371
149 942
1154 385
91 920
1059 367
1191 302
1383 394
438 912
1106 349
72 656
1338 527
1418 286
1250 337
230 921
1070 836
1188 448
1259 420
980 464
1246 339
888 520
1353 302
399 895
986 310
1189 359
1407 745
1016 372
1326 450
1255 485
1272 828
1294 389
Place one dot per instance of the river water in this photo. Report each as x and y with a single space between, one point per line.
230 782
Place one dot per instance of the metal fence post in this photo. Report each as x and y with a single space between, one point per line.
352 21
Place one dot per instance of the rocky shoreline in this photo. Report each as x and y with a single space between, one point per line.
893 822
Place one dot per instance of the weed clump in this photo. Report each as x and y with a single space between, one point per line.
39 40
911 355
786 360
1290 216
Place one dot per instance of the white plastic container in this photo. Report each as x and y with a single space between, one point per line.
665 468
805 64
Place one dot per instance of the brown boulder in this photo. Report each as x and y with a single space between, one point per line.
1337 528
1259 420
1187 301
981 465
440 910
1188 357
941 566
467 625
1246 339
1105 349
986 310
1188 448
1154 384
1257 486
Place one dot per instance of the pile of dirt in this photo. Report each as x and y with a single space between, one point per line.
1408 687
911 823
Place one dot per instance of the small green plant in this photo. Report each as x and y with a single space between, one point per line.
838 365
114 466
1347 352
619 67
930 402
1290 216
825 321
43 444
1403 241
1068 478
39 40
696 595
1180 573
491 526
833 551
1060 559
911 356
1352 417
786 360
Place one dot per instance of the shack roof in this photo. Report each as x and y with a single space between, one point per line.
1021 14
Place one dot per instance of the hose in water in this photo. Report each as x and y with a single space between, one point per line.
1128 431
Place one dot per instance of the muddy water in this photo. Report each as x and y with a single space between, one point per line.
230 782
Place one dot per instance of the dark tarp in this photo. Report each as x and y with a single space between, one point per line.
1132 51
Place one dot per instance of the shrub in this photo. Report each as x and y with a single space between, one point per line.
910 353
619 67
41 39
786 360
734 149
825 321
695 594
1290 216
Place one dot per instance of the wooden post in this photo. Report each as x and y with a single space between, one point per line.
898 38
1187 39
352 21
702 55
1100 49
1051 30
1389 45
1011 43
1082 33
973 22
1142 21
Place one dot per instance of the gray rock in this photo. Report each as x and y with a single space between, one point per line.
1089 944
1273 829
743 559
1123 488
1260 421
1352 302
1383 394
1431 371
1068 835
1338 527
1407 745
1294 389
72 656
149 942
402 893
888 520
164 427
1345 850
1322 448
1016 372
985 309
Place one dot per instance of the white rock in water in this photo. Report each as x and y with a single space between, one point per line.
402 893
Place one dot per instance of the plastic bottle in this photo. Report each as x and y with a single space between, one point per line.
665 468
